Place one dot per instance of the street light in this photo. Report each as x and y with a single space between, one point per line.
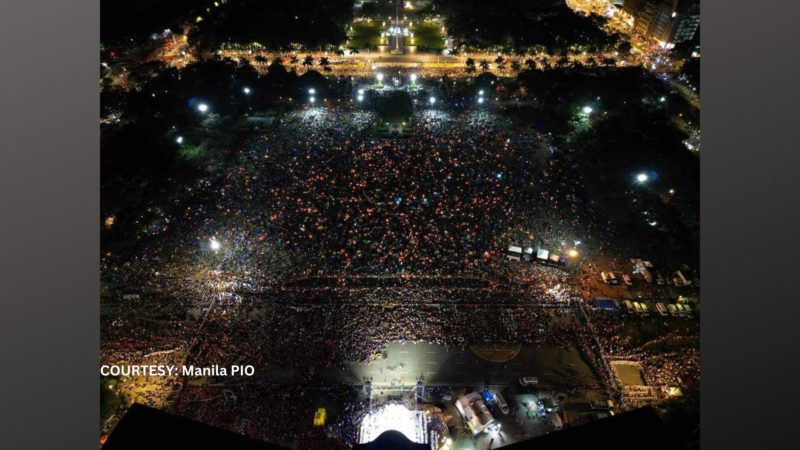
246 90
480 99
432 100
214 244
202 107
642 178
179 139
572 253
413 78
312 91
588 110
480 92
360 98
312 99
379 76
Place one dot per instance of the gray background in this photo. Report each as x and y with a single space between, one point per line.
49 223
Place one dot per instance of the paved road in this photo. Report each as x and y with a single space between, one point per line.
404 364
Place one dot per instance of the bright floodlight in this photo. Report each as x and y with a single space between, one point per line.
202 107
572 253
413 78
432 100
480 100
379 76
246 90
360 98
214 244
312 91
179 139
312 99
587 110
360 92
480 92
642 178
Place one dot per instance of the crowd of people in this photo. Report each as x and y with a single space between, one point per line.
668 352
318 243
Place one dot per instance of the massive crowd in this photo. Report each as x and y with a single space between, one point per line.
331 243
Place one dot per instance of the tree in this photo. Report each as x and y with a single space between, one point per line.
485 65
308 61
516 66
591 62
624 47
530 63
608 62
470 65
339 52
293 59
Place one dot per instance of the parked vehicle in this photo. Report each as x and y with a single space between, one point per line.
627 280
673 311
501 403
609 278
662 310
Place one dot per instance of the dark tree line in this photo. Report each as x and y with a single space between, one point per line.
550 24
276 25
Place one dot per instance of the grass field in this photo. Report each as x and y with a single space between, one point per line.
426 35
365 34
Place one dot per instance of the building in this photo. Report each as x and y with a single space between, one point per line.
669 22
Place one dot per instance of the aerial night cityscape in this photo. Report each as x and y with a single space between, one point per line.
475 223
